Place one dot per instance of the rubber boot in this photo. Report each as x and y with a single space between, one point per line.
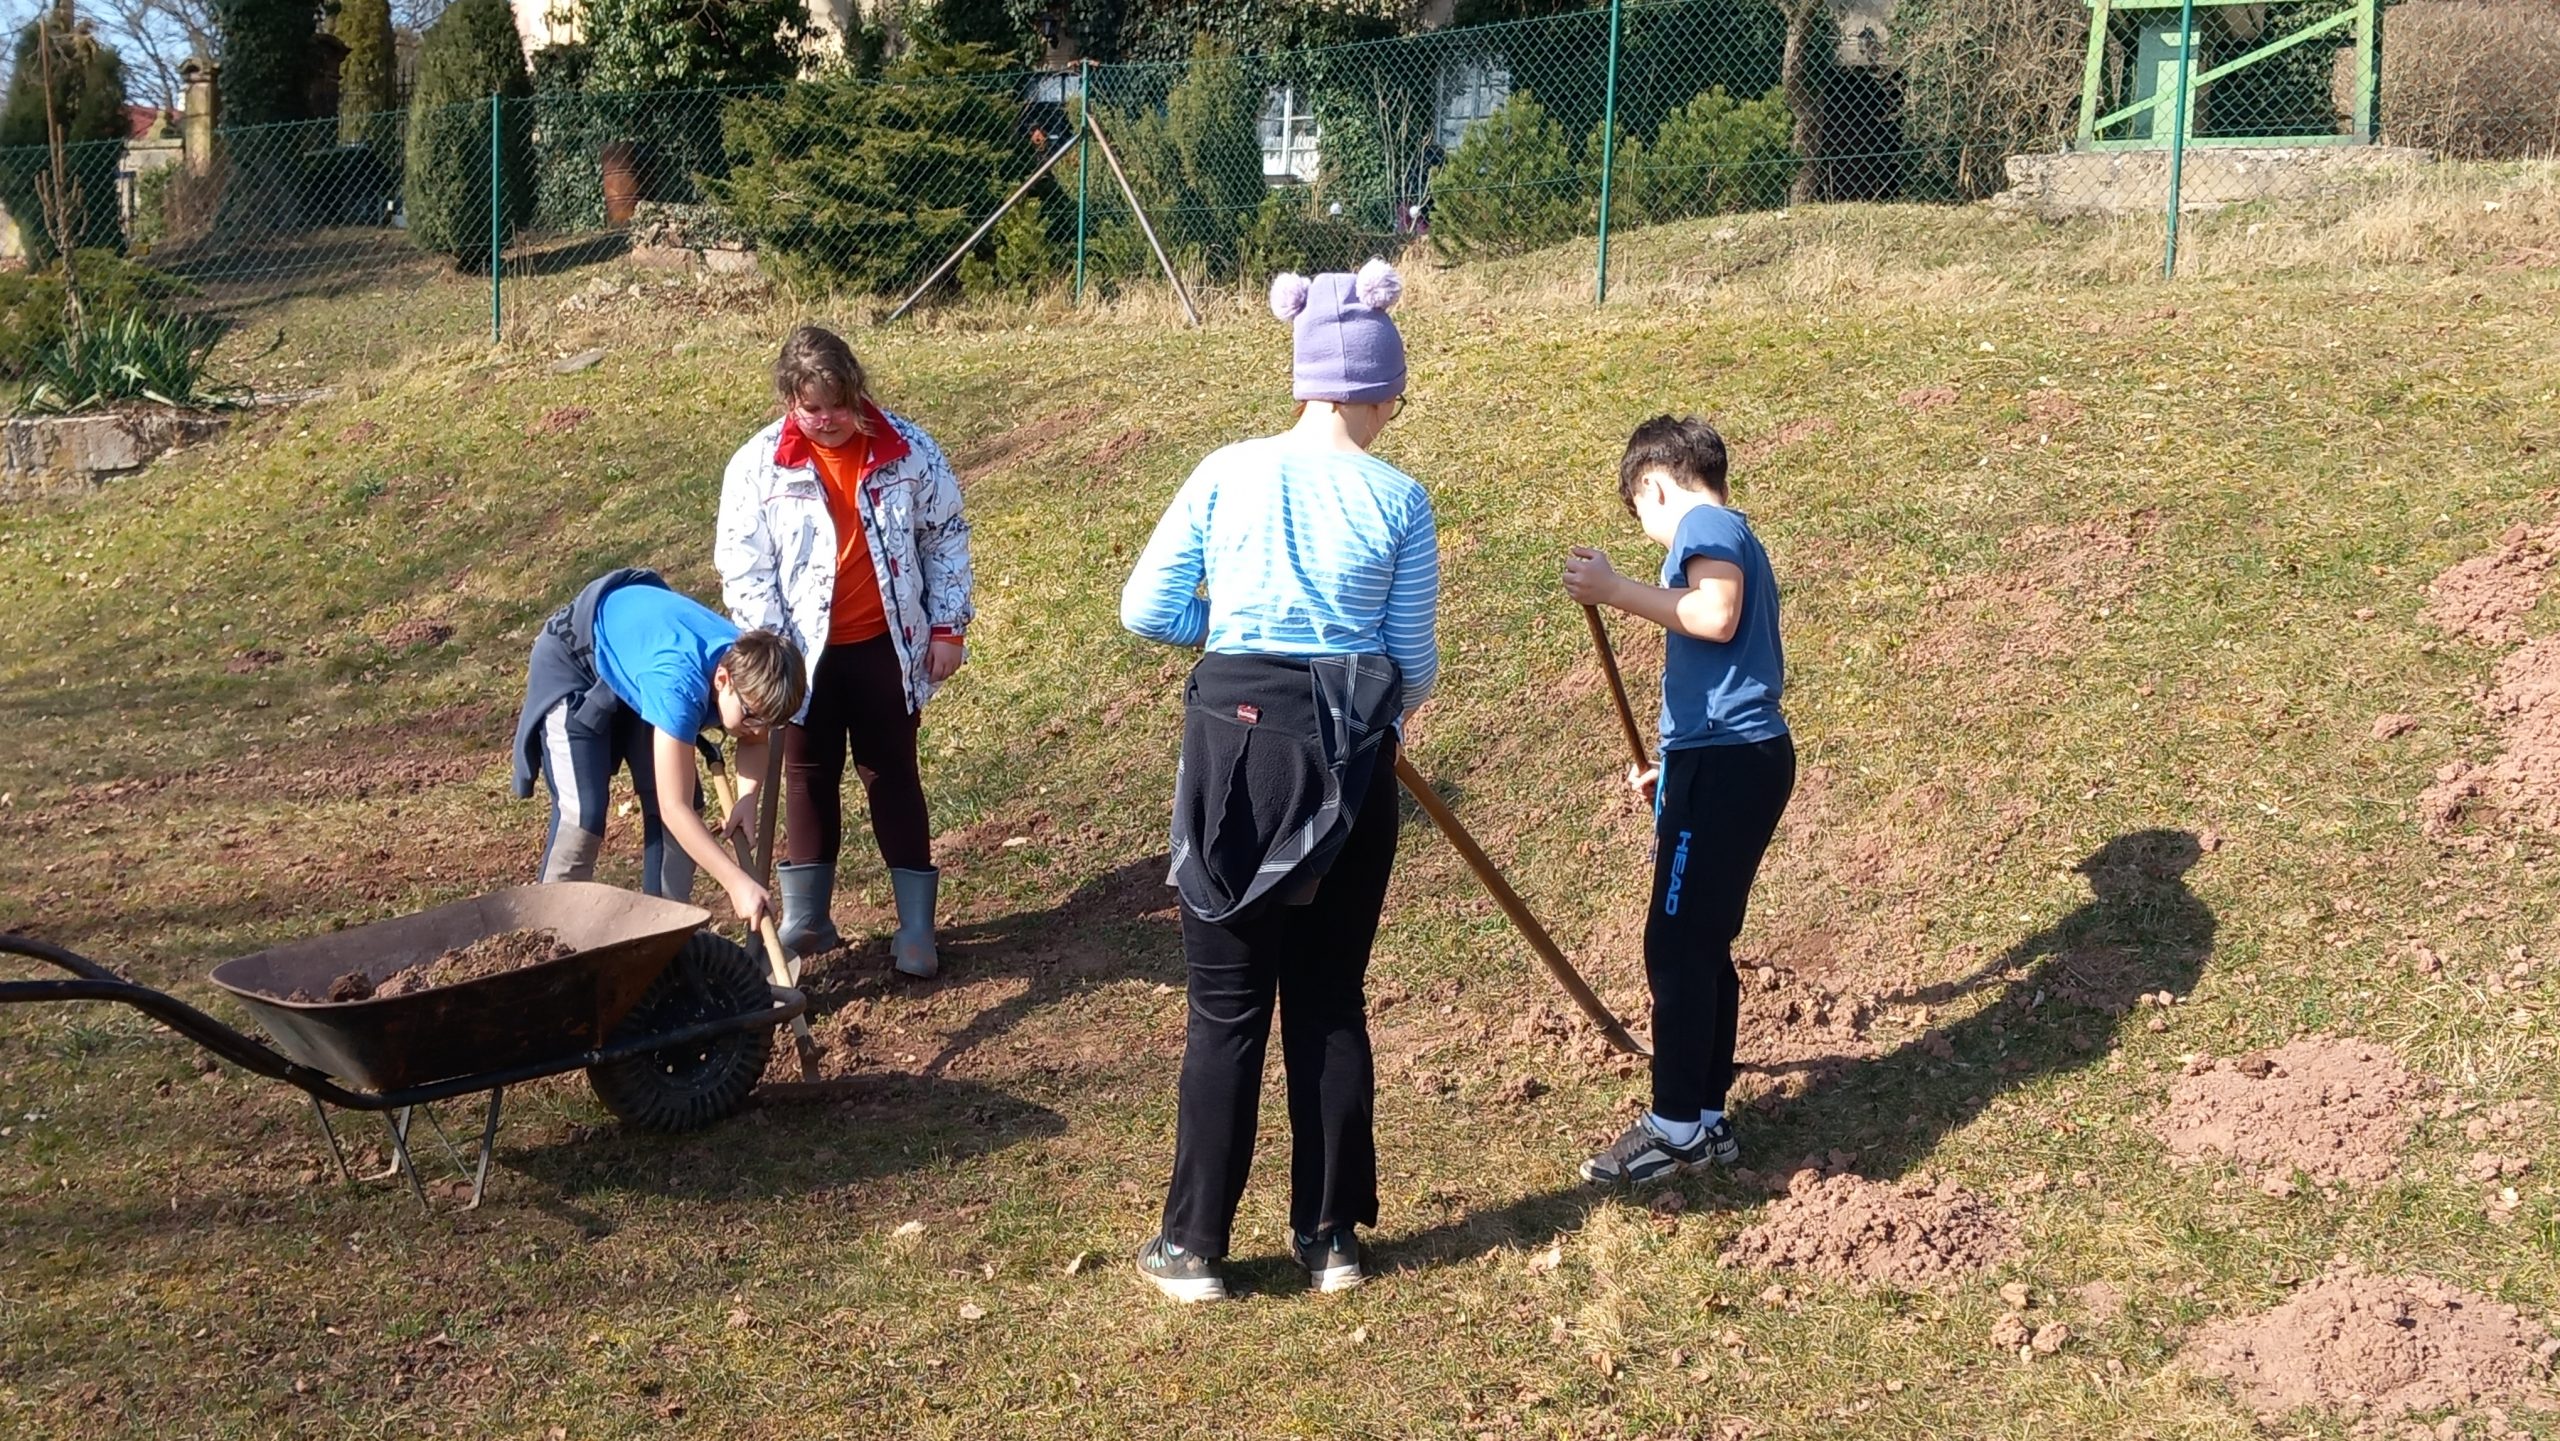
912 947
806 892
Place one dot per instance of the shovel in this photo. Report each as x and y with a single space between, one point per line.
784 973
1509 900
1617 687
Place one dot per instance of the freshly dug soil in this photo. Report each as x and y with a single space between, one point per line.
2486 597
2337 1111
2522 785
2378 1346
487 956
353 986
1918 1234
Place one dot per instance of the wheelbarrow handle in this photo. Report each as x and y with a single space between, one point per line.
96 983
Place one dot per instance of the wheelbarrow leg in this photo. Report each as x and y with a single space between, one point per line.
450 1150
488 1142
337 1152
401 1160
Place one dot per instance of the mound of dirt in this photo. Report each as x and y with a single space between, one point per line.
2378 1347
2523 784
2333 1110
409 634
2483 598
487 956
1917 1234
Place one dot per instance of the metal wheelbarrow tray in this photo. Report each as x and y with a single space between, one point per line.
671 1022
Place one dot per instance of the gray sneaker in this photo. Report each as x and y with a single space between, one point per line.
1332 1260
1643 1154
1181 1274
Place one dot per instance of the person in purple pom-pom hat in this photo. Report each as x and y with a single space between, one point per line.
1309 571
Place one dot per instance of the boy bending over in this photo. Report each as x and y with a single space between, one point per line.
1727 769
631 674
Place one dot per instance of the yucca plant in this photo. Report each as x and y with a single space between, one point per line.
130 355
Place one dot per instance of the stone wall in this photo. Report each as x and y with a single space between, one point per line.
2136 182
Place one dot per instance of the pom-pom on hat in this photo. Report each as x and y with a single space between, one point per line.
1348 351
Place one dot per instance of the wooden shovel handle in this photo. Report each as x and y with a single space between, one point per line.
1512 906
1617 687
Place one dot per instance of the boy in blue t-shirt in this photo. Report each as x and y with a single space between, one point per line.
631 674
1727 769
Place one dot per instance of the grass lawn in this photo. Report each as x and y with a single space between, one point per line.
2068 554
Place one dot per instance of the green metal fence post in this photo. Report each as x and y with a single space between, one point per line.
1084 156
2178 128
1608 151
2368 106
497 203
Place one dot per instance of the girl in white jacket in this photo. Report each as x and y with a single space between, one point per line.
840 527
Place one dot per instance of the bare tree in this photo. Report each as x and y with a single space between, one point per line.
156 37
1812 37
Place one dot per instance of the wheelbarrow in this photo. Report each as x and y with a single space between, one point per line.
671 1022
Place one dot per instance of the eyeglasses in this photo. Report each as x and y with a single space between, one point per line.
1401 403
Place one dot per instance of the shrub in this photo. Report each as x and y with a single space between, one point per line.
867 184
2472 79
129 355
88 105
1294 230
1713 155
1025 260
266 57
1511 186
569 131
693 44
31 309
150 225
1984 80
1197 163
368 79
469 55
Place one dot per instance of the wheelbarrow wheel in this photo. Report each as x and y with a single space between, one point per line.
685 1088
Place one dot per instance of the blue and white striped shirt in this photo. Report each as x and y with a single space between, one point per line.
1276 548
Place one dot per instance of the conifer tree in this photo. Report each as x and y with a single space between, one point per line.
88 106
469 55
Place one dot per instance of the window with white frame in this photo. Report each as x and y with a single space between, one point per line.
1288 137
1470 90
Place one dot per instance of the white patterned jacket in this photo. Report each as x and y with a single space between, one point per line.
776 546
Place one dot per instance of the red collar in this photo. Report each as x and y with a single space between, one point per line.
795 450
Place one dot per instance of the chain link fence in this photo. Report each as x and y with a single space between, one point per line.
959 178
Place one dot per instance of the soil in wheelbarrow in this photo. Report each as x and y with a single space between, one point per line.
487 956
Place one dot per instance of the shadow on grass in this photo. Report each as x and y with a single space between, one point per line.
1115 927
2065 991
867 1129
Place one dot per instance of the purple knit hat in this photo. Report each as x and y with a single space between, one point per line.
1348 350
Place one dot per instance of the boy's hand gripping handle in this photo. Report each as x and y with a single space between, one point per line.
803 1043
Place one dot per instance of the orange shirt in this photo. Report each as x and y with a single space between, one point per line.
859 613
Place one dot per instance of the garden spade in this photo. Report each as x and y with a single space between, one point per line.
784 973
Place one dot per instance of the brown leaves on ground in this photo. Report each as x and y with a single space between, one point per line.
1922 399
